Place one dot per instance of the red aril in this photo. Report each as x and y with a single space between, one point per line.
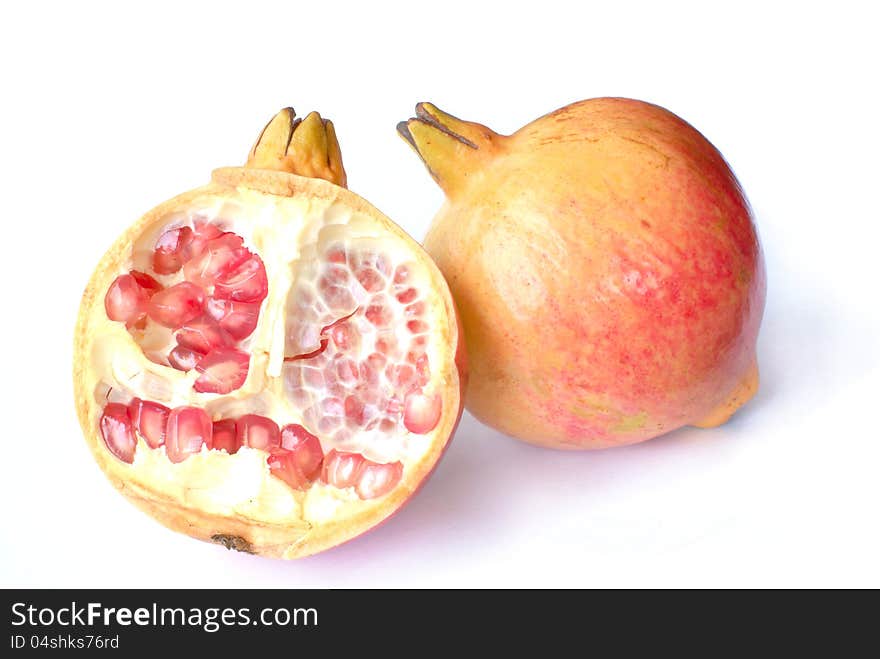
288 465
245 283
222 370
224 436
189 429
407 295
127 298
375 479
203 335
170 251
421 412
220 257
150 420
255 431
205 229
149 285
342 469
271 411
238 319
306 449
176 305
369 479
117 433
184 359
203 232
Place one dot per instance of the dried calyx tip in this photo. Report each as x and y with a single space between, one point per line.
452 149
403 129
306 147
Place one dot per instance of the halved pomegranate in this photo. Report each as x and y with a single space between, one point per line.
268 362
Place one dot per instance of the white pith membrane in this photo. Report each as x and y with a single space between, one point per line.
316 255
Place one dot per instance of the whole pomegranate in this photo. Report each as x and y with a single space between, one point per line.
606 268
267 361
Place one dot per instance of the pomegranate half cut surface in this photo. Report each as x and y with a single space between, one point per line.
268 362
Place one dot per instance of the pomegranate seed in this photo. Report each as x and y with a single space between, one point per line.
203 231
202 334
417 326
206 230
368 374
379 315
342 469
282 464
336 255
354 410
222 370
386 345
239 319
370 279
176 305
377 360
313 377
338 298
128 296
257 431
341 335
246 283
116 430
189 428
333 407
146 282
171 250
407 296
377 479
416 309
346 370
220 256
224 437
335 275
184 359
421 412
401 375
150 420
305 447
401 274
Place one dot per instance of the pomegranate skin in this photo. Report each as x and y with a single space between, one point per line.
607 270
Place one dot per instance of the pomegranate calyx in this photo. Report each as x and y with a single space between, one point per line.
451 149
306 147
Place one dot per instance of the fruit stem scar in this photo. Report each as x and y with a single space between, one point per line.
231 542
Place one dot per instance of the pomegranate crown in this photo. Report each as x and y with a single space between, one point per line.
306 147
452 149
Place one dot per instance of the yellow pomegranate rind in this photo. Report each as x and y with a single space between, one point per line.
282 534
554 240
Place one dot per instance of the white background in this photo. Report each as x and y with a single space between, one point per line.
110 109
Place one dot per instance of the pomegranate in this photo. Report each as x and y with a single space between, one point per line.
267 361
606 268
